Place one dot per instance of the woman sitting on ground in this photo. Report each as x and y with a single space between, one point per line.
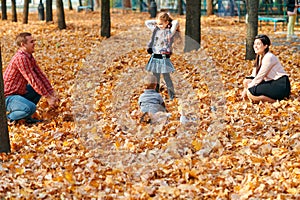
269 81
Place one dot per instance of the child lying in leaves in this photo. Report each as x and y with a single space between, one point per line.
150 102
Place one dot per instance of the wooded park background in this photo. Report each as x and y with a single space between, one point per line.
93 146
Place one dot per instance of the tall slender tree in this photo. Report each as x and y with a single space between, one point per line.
180 7
14 11
252 27
25 11
4 136
141 5
60 15
193 25
281 6
105 18
97 4
49 15
126 4
209 7
231 7
70 4
149 3
4 9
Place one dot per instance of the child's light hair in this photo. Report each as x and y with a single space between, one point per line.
163 16
150 81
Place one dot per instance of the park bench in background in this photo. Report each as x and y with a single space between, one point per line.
275 20
272 12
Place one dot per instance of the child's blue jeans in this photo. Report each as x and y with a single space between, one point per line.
22 106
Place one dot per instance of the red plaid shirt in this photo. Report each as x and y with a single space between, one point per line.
23 70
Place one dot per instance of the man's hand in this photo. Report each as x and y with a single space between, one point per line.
53 101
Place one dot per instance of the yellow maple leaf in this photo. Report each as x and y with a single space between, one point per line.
69 177
197 145
20 170
293 191
117 144
65 143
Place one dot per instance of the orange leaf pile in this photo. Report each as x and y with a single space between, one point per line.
211 145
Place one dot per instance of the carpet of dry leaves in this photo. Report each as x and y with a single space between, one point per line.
93 146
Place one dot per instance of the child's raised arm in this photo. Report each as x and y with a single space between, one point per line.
151 24
174 27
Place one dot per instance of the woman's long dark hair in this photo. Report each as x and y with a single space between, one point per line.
266 41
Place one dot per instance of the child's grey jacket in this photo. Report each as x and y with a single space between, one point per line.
151 101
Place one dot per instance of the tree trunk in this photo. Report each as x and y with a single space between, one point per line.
97 4
193 25
105 18
209 7
141 5
4 136
126 3
60 15
49 15
4 9
70 5
252 27
25 11
180 9
231 7
14 11
80 3
281 6
148 3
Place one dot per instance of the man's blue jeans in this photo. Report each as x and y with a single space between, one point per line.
22 106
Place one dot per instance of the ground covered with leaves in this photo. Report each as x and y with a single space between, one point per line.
94 147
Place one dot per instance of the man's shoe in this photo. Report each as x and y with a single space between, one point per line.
32 120
11 122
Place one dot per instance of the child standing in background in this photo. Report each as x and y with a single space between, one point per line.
163 31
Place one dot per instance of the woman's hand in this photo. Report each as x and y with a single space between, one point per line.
244 94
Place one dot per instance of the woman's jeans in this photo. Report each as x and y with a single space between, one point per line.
22 106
